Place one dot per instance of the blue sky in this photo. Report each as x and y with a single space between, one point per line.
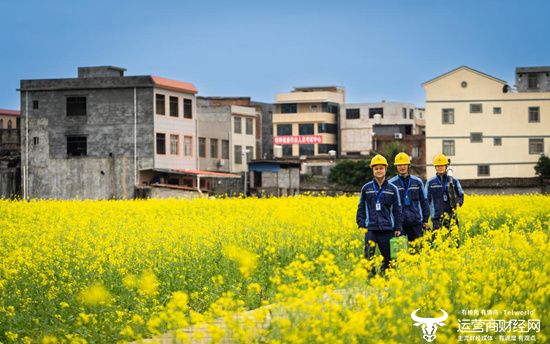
375 49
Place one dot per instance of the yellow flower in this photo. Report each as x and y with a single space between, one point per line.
95 295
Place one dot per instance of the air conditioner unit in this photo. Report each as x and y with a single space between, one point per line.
398 136
221 162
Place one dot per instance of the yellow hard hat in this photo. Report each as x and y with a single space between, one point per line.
441 160
402 159
378 160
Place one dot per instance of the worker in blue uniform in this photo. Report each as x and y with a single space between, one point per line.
379 211
444 194
414 203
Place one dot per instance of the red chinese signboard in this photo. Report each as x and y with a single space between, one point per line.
301 139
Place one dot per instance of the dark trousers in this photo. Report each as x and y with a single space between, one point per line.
413 232
382 239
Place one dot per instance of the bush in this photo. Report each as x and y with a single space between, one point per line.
542 168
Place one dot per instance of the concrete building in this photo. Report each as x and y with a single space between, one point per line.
533 79
101 134
487 130
366 126
305 126
274 178
227 134
10 154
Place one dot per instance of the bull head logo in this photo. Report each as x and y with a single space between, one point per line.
429 325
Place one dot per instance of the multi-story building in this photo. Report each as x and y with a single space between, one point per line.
533 79
366 126
227 133
487 129
305 124
10 157
102 134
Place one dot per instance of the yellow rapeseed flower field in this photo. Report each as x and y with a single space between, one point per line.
118 271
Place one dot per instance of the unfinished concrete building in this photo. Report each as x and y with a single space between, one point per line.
100 135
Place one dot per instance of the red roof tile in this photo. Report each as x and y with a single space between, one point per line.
186 87
9 112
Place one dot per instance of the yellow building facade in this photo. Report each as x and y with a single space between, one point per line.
484 127
305 122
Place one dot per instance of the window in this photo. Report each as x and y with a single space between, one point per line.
375 111
249 153
238 154
1 123
35 140
187 108
289 108
160 104
476 137
214 148
9 124
332 108
404 113
76 146
225 149
174 144
161 143
411 113
323 148
449 147
536 146
326 128
249 125
202 147
35 104
476 108
174 106
534 114
284 129
306 129
497 110
76 106
314 108
497 141
287 150
307 149
237 123
188 146
448 116
353 114
483 170
532 81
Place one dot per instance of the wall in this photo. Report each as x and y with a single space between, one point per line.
180 126
109 127
512 158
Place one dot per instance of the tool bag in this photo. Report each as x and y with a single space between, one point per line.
398 244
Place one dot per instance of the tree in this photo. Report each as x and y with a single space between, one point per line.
355 173
351 173
542 168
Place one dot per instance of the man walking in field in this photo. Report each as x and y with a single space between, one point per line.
379 211
444 193
414 204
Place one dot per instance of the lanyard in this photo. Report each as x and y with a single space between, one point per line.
379 192
444 185
408 185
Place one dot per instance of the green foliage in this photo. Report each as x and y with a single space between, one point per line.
542 168
355 173
351 173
